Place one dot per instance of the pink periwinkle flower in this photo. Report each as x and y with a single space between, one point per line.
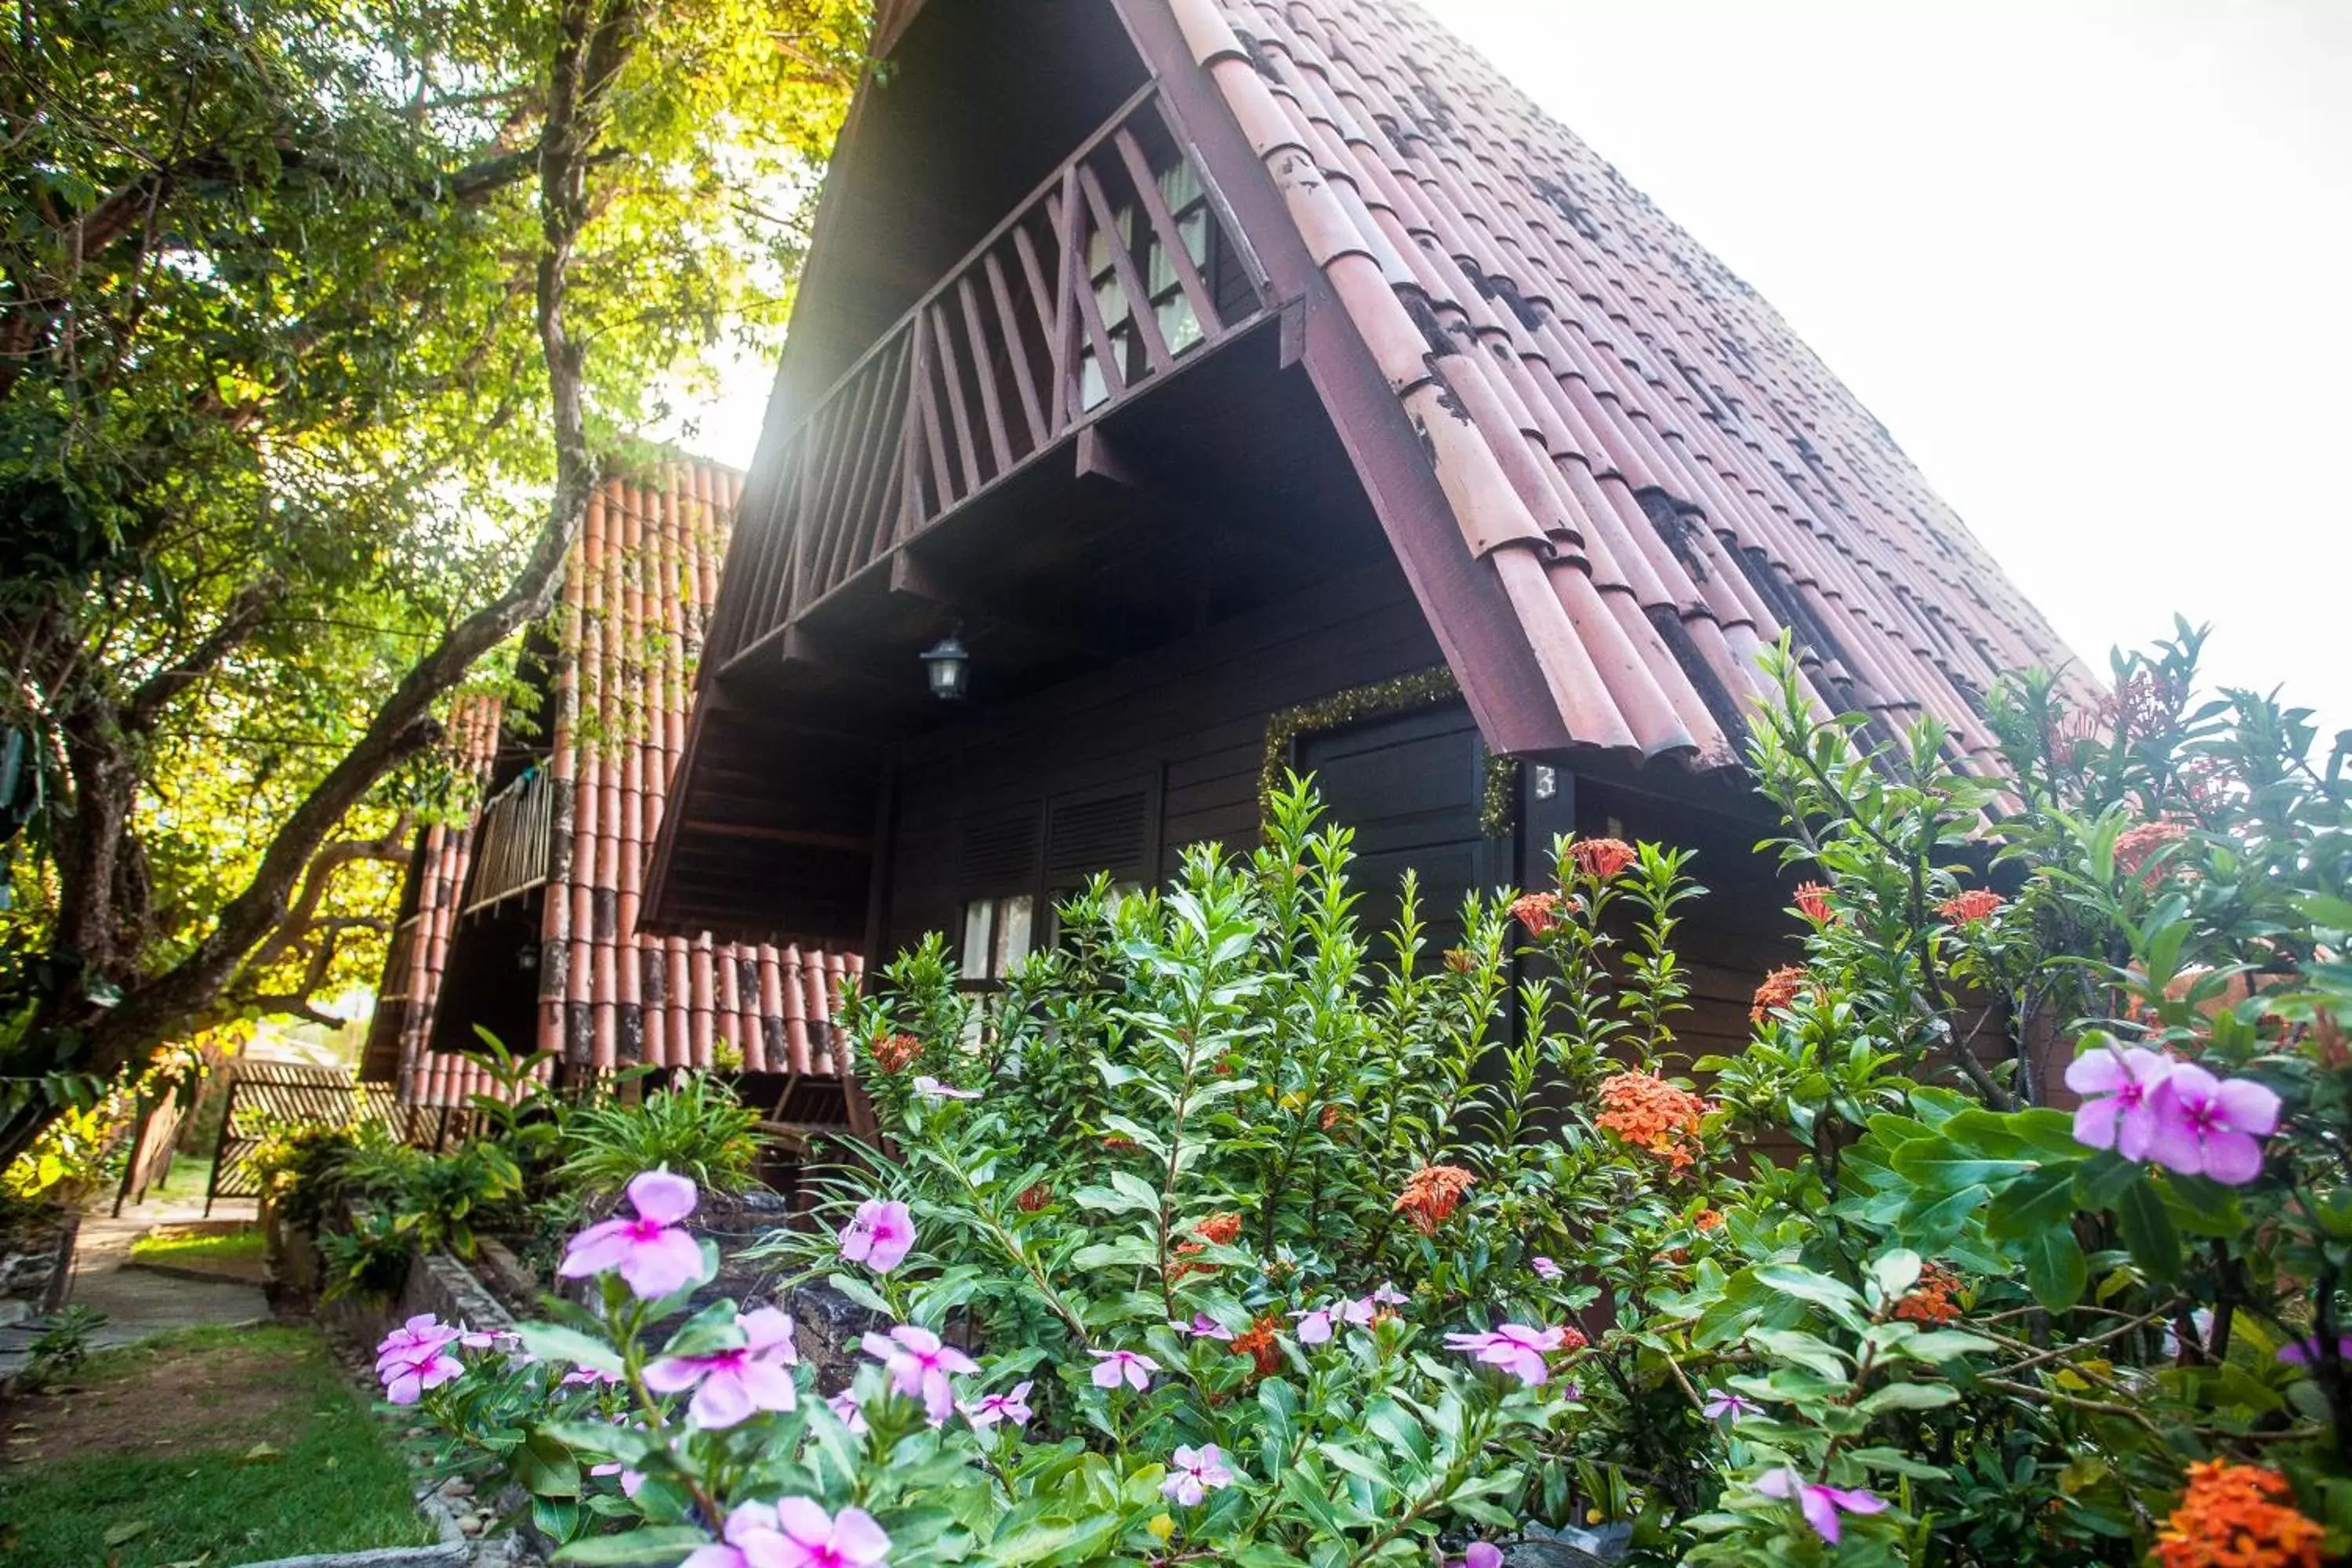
2212 1127
1357 1313
589 1376
931 1088
751 1540
1204 1327
421 1332
1480 1554
630 1479
918 1362
1314 1326
731 1385
846 1407
879 1235
1115 1367
1726 1407
414 1357
1546 1268
1518 1348
2116 1082
990 1408
1194 1473
1820 1505
1388 1295
814 1538
2305 1353
650 1252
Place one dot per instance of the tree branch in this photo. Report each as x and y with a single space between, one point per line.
302 919
594 43
156 692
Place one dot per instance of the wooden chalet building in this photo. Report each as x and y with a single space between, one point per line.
523 917
1260 384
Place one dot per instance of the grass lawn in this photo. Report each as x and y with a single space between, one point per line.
219 1446
190 1176
232 1252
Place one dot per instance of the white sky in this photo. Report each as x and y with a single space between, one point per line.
2089 260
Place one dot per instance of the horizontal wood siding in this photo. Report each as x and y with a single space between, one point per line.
1189 723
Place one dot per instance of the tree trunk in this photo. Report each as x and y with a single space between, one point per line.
101 866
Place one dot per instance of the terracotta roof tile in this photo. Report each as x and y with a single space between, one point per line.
637 597
1661 477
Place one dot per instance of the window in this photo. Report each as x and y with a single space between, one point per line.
1188 203
1017 859
997 935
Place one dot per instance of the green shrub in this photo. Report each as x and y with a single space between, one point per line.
304 1167
696 1127
440 1200
63 1345
1434 1247
368 1258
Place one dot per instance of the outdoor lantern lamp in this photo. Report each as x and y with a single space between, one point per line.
947 666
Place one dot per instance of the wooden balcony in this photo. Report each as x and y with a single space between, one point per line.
1123 266
513 839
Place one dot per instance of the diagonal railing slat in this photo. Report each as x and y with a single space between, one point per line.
1048 322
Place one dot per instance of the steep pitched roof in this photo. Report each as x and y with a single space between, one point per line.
637 596
1659 475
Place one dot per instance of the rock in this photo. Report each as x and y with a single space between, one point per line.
827 1326
446 1556
1569 1548
505 1274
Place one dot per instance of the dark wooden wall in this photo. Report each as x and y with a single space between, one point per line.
974 811
1186 725
1412 789
1731 938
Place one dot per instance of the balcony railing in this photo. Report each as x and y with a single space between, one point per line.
1117 266
511 840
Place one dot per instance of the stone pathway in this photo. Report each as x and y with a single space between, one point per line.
139 1301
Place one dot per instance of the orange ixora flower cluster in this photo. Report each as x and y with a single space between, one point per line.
1652 1114
1461 960
896 1053
2229 1518
1539 912
1707 1219
1260 1342
1602 857
1780 988
2136 846
1034 1197
1972 905
1220 1228
1930 1300
1179 1265
1813 904
1431 1194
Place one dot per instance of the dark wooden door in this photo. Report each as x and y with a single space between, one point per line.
1413 788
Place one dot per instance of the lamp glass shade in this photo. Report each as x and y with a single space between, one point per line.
946 665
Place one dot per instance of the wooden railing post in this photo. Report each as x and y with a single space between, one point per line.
1068 276
910 489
